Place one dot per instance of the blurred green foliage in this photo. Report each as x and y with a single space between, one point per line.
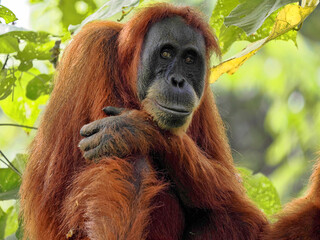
271 105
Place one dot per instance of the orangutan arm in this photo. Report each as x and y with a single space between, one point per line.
134 133
205 186
131 133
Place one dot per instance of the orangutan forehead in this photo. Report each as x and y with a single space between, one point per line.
175 31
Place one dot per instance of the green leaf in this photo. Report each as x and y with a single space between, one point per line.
36 51
7 14
8 44
20 162
39 85
261 191
7 83
250 15
222 9
19 232
18 235
228 35
25 65
109 9
3 220
12 221
9 180
23 34
286 20
18 107
11 194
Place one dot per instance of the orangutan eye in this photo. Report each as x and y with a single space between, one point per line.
189 59
166 54
190 56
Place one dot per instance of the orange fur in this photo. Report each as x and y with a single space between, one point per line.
63 192
127 198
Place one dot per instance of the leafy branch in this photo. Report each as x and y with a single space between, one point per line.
290 17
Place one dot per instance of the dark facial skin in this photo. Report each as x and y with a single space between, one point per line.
170 84
171 75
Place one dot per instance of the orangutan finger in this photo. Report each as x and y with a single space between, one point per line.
92 154
112 111
90 128
89 142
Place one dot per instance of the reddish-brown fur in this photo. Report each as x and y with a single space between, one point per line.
63 193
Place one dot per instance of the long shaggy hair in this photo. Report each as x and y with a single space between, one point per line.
62 192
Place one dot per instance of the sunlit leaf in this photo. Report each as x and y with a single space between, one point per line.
222 9
12 221
290 17
287 19
39 85
232 65
3 220
36 51
261 191
228 35
19 232
8 44
250 15
7 14
109 9
20 108
9 183
7 82
12 237
6 87
23 34
25 65
19 162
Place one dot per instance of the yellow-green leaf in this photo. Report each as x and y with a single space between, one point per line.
7 14
287 19
19 107
261 191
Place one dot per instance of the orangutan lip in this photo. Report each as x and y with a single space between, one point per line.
174 110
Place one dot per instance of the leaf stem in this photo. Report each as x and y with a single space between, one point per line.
17 125
5 62
9 164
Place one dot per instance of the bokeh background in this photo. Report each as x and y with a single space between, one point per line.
271 105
